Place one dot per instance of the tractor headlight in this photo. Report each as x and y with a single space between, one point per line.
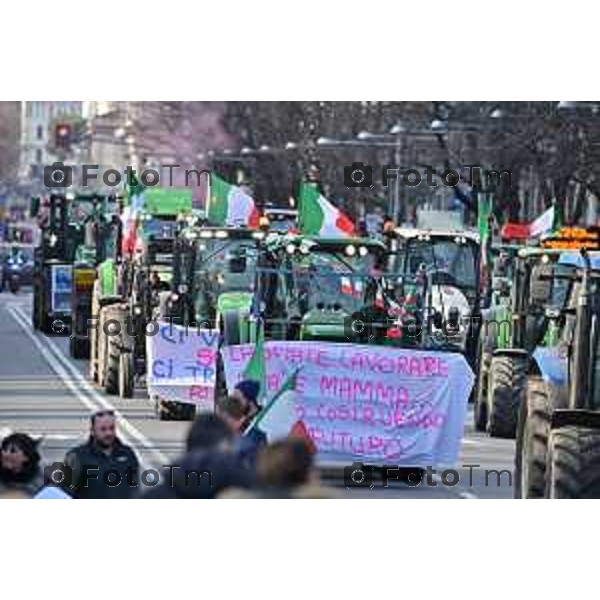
182 288
137 311
221 235
290 248
206 234
350 250
363 251
174 297
304 249
258 235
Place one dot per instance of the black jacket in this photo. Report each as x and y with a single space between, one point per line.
90 473
201 474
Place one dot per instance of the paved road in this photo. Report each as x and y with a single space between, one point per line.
44 392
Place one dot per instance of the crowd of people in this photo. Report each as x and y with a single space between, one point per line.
226 456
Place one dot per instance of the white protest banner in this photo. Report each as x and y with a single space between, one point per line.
182 364
374 404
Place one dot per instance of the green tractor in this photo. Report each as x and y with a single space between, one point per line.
214 286
102 225
217 269
133 290
512 327
314 288
558 433
74 231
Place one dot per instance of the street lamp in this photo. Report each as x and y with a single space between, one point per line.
439 126
567 105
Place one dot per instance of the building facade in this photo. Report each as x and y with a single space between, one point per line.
37 121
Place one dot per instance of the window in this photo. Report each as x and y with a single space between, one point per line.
40 132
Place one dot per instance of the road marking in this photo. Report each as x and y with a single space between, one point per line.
50 351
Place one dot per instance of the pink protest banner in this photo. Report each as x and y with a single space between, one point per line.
374 404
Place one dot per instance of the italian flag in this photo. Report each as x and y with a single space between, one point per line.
231 206
547 222
278 418
544 223
319 217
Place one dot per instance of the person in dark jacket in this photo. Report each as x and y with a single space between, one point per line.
104 467
210 432
251 439
202 474
20 464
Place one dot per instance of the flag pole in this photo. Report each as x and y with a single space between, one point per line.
269 405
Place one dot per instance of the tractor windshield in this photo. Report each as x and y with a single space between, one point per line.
226 265
330 279
458 261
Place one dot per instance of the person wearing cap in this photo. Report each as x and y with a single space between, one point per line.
103 467
247 391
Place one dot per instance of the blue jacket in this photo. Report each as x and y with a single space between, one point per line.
249 445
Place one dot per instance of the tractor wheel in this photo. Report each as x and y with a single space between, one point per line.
481 392
573 463
507 388
533 429
79 348
111 373
126 380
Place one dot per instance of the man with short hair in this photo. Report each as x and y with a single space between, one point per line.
247 391
235 413
103 467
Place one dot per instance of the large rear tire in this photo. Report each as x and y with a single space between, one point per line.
481 393
126 375
506 392
533 430
573 463
111 373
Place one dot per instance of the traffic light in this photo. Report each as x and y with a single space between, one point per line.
63 133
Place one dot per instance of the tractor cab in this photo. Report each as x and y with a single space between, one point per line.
217 271
445 264
320 286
